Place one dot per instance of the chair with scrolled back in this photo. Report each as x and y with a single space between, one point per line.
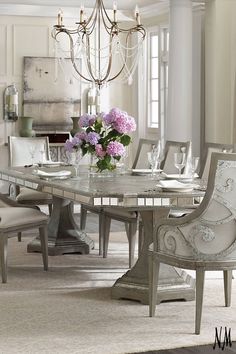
19 155
204 240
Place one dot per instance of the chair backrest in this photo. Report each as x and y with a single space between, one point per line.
144 146
209 232
208 150
171 147
19 150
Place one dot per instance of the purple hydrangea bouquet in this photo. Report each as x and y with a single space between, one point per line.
105 136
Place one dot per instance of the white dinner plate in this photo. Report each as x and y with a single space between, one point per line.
176 176
143 171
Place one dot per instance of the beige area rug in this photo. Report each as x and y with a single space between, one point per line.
69 309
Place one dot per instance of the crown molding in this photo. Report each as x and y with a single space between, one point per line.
51 11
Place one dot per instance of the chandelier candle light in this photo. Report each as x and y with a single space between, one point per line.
113 50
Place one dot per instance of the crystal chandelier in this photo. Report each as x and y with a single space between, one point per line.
107 50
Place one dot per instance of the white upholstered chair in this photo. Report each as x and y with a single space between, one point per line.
204 240
16 218
19 155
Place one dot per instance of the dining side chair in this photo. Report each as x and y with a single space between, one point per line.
171 147
19 155
130 218
15 218
168 166
204 240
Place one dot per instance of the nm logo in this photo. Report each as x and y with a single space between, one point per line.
222 338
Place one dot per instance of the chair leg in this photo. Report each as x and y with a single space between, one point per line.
44 245
101 232
83 217
140 237
200 276
131 234
3 256
154 267
50 209
228 286
19 236
106 233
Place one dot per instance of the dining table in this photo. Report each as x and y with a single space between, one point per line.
133 192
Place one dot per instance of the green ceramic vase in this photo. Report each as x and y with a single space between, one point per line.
76 128
26 127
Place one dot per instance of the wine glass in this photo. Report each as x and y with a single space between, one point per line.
75 158
153 161
42 152
179 160
32 152
193 165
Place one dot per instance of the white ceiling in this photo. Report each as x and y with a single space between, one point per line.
122 4
70 7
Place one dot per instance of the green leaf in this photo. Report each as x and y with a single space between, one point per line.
125 140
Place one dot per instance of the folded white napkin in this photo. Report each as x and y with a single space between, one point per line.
41 173
173 184
50 163
144 170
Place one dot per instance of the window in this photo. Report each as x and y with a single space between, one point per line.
157 65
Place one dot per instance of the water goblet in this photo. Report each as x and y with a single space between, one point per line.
32 152
153 160
75 158
193 166
42 152
179 161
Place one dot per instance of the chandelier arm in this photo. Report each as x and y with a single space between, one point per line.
88 59
72 56
105 12
125 59
110 60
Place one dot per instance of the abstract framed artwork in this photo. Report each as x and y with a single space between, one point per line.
51 94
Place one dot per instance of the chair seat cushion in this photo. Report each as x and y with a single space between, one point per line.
121 212
31 195
17 217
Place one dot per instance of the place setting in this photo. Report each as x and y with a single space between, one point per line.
181 182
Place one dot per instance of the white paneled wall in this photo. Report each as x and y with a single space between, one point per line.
31 36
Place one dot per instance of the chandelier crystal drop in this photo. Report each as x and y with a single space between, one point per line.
106 49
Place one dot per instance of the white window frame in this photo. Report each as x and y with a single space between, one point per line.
162 80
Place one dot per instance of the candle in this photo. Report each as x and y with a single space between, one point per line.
137 15
81 13
59 17
114 10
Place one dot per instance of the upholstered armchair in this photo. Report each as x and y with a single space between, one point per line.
204 240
